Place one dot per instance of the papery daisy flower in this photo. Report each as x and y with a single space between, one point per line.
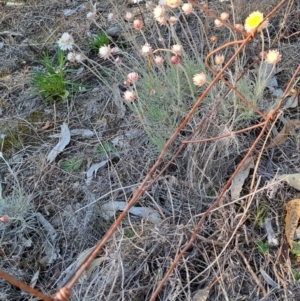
146 49
65 42
137 24
132 77
173 3
129 95
159 12
177 49
71 56
187 8
254 21
273 57
105 52
199 79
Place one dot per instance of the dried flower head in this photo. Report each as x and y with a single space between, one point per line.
159 12
219 59
137 24
239 26
199 79
110 17
146 49
129 95
79 57
187 8
118 60
273 57
177 49
162 20
255 21
218 23
173 3
115 50
71 56
105 52
91 15
128 16
175 60
213 39
224 16
159 60
132 77
65 42
173 20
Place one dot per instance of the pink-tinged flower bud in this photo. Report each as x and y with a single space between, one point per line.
173 20
132 77
239 26
4 219
224 16
199 79
218 23
129 95
162 20
137 24
118 60
159 60
175 60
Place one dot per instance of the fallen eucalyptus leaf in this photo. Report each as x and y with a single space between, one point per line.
281 137
34 278
110 208
65 138
291 219
238 181
268 279
82 132
292 179
93 169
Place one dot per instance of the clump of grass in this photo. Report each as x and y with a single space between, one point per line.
71 165
50 81
99 40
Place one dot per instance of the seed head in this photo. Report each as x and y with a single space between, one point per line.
159 60
146 49
159 12
132 77
273 57
219 59
105 52
129 95
177 49
187 8
71 56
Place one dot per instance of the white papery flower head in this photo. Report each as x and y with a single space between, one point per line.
273 57
110 17
146 49
159 60
132 77
199 79
65 42
159 12
187 8
129 95
105 52
177 49
91 15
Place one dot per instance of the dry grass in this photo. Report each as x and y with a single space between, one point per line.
225 254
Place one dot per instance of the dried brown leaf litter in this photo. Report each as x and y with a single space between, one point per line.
291 219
